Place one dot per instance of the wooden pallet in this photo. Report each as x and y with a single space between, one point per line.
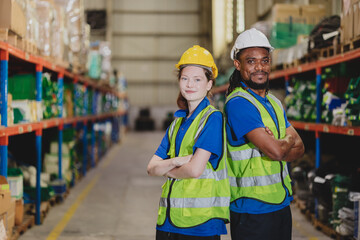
6 35
350 45
328 230
28 222
294 63
329 51
44 209
30 47
323 227
26 45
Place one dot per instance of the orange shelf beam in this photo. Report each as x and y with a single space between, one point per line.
326 128
49 123
318 64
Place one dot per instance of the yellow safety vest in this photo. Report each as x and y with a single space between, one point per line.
194 201
252 174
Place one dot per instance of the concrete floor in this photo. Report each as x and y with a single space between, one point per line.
118 200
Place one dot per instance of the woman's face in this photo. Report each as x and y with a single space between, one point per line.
193 84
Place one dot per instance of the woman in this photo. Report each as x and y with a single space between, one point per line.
195 199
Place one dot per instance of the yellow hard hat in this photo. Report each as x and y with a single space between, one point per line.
197 55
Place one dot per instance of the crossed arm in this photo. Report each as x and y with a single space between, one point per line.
287 149
191 166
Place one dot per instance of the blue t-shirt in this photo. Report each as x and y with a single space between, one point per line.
238 124
210 139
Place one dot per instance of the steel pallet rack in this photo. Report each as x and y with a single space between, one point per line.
6 51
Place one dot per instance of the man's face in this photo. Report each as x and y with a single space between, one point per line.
254 67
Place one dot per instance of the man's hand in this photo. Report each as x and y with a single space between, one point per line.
179 161
267 129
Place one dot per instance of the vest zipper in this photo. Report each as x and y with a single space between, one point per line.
168 200
281 163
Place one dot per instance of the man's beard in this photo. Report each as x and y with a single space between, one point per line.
253 85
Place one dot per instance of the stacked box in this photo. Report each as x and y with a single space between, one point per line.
356 18
291 21
12 17
350 18
7 209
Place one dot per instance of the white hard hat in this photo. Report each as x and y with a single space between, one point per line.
250 38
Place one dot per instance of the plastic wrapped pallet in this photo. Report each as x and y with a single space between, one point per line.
58 26
45 14
32 25
74 21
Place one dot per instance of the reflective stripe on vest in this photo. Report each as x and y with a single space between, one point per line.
256 181
245 154
196 202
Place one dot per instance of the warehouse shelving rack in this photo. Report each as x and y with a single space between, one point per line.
319 127
40 64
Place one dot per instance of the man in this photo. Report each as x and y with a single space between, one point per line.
260 142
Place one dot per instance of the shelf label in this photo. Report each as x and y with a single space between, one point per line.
326 129
21 130
306 127
29 128
351 132
27 56
45 125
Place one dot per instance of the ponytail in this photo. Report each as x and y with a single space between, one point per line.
235 81
182 102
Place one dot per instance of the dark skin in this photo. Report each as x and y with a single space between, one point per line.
254 65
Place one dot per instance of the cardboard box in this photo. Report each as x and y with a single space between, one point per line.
357 19
349 16
313 13
19 212
286 13
11 218
7 207
12 17
5 196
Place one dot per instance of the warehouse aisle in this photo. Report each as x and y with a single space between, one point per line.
118 201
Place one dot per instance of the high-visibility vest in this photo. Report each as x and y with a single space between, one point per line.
252 174
194 201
